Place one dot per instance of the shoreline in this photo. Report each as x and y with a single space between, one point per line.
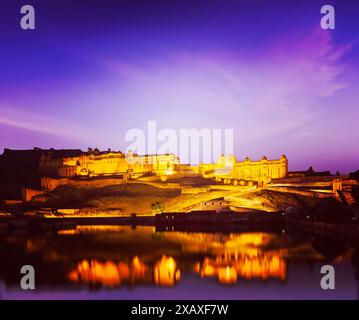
208 223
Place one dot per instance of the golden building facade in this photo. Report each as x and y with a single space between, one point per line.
261 171
110 163
107 164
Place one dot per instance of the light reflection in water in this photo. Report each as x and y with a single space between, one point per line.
230 257
96 229
108 273
227 275
166 272
123 256
244 256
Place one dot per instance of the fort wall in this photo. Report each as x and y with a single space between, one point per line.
49 183
107 163
262 171
227 169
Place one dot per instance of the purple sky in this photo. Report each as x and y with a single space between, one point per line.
93 69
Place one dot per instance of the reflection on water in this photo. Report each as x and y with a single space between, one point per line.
237 256
166 272
243 256
112 257
109 273
94 229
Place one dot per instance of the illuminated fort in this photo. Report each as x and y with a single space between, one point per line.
227 169
96 163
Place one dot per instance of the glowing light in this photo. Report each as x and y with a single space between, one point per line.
227 275
242 256
166 272
107 273
67 232
169 171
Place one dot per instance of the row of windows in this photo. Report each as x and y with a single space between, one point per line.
259 172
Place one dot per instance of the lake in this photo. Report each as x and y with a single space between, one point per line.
124 262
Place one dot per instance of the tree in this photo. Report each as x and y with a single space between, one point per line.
157 207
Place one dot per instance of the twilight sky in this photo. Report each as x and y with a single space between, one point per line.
94 69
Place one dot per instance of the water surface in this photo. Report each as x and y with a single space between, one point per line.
122 262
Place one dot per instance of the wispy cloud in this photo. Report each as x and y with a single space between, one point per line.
127 70
50 125
276 90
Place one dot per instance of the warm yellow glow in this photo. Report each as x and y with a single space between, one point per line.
100 229
321 191
243 256
228 169
138 268
169 171
230 257
166 272
263 267
227 275
108 163
89 229
208 270
67 232
82 215
107 273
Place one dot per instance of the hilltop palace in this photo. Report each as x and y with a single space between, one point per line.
95 163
